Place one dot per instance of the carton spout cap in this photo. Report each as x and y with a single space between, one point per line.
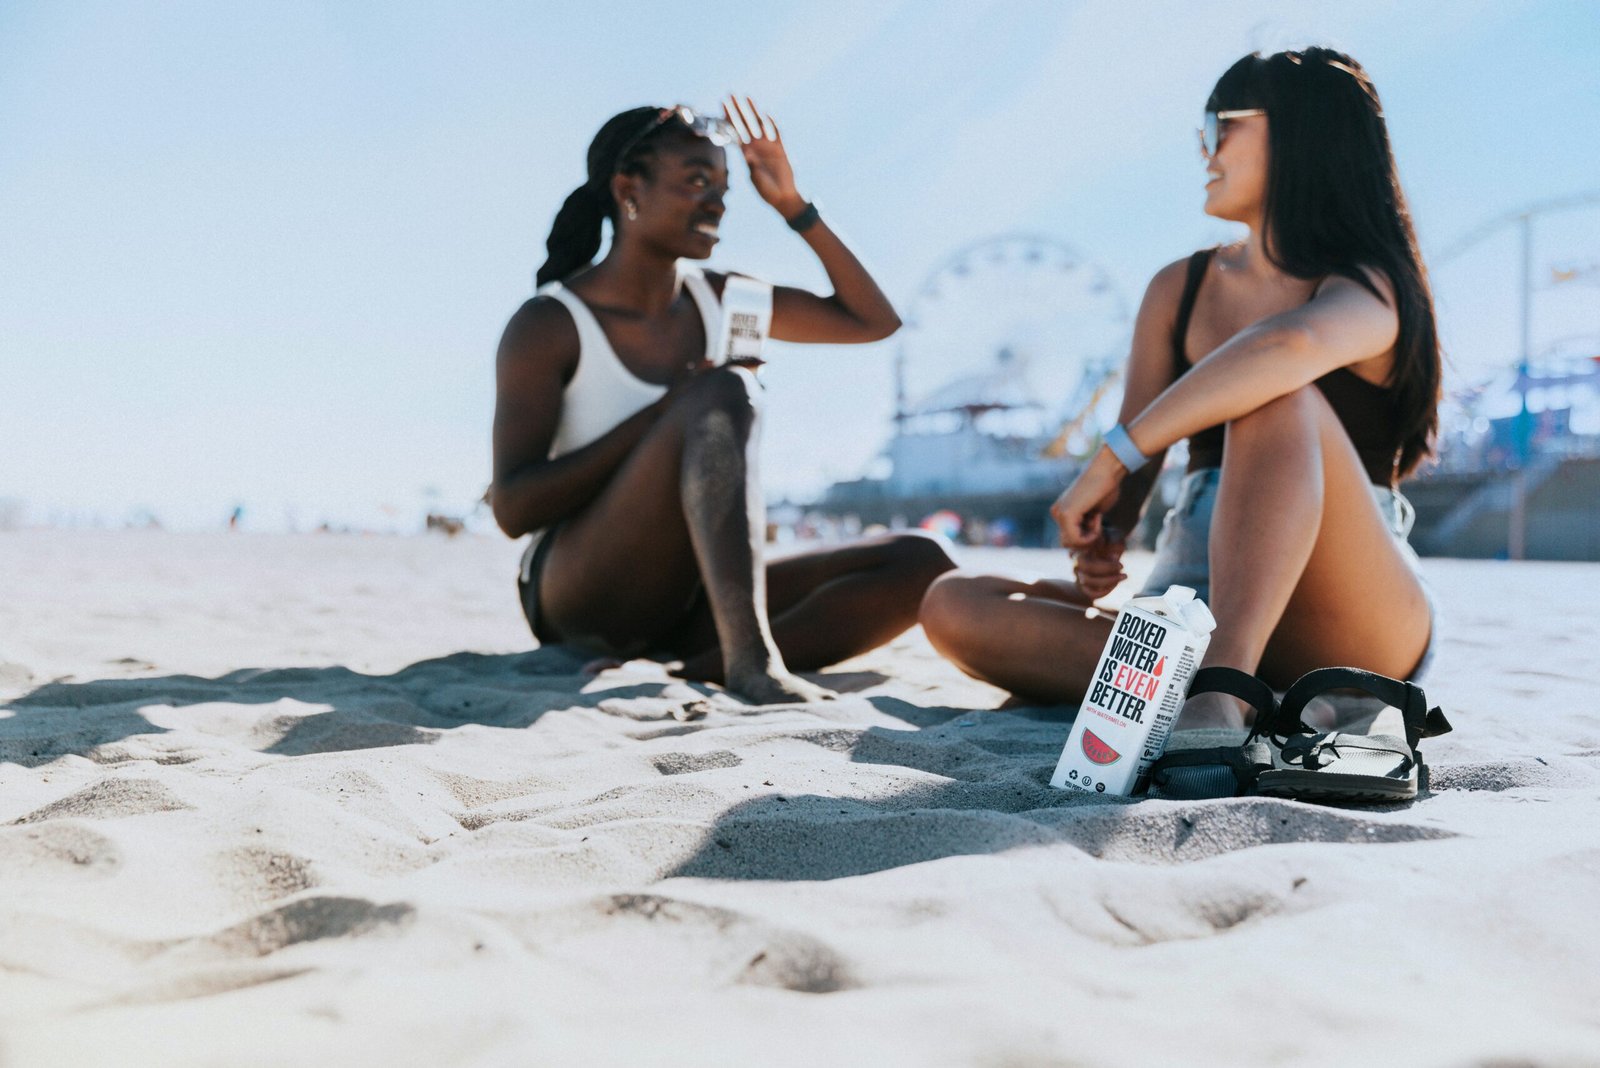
1197 618
1178 596
1180 604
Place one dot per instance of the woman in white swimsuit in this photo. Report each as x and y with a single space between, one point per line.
632 457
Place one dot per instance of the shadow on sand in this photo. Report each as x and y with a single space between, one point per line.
984 788
355 711
961 782
413 706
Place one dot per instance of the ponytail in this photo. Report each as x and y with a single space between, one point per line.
575 235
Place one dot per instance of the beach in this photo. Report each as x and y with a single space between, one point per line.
302 799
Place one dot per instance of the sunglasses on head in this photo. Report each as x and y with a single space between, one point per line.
713 128
1211 132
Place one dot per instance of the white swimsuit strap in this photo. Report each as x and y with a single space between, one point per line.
590 332
705 298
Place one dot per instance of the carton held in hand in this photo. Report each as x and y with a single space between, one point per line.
746 319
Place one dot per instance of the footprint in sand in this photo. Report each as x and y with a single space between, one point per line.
310 920
1198 912
1499 775
61 846
720 945
684 763
256 874
110 799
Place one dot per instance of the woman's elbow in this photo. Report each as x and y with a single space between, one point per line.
509 524
1291 339
883 326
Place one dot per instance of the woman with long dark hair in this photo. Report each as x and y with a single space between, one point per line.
625 441
1302 364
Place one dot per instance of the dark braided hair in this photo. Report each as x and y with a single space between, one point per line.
575 235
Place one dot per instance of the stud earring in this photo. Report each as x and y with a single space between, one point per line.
633 210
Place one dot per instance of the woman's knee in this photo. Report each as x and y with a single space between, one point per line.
921 556
1288 430
947 607
1295 410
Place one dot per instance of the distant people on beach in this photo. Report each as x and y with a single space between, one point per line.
1302 365
448 525
625 439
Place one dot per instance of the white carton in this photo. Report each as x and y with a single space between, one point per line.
1136 692
746 319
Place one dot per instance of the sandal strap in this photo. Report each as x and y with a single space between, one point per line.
1311 753
1235 683
1420 720
1245 762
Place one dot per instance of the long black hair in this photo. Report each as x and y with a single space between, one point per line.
1334 206
575 235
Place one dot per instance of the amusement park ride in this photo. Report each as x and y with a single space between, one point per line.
1551 435
980 451
981 443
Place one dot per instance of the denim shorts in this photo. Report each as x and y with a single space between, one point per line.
1183 549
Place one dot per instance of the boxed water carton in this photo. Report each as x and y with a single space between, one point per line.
746 319
1136 693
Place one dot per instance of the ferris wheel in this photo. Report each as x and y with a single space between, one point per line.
1012 314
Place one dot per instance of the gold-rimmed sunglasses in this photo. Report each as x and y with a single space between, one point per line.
1211 132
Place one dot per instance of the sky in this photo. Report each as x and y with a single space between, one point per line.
261 254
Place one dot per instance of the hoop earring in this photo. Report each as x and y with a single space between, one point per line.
633 210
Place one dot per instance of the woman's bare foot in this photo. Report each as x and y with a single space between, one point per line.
768 685
1212 711
707 667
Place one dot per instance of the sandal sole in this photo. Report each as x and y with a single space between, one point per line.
1318 786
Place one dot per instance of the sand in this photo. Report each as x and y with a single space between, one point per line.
317 800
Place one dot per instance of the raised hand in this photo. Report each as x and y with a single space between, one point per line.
765 155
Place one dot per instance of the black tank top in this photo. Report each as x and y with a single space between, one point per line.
1367 412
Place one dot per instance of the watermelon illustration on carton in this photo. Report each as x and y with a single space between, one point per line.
1136 693
1097 750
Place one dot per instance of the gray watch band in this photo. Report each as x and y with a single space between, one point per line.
1122 447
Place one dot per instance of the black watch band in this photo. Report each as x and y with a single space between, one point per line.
805 220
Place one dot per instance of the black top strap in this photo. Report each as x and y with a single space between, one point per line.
1191 291
1235 683
1420 720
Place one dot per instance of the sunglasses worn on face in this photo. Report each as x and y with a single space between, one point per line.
1211 132
717 130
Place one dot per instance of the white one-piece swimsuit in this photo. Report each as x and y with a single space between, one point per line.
603 392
